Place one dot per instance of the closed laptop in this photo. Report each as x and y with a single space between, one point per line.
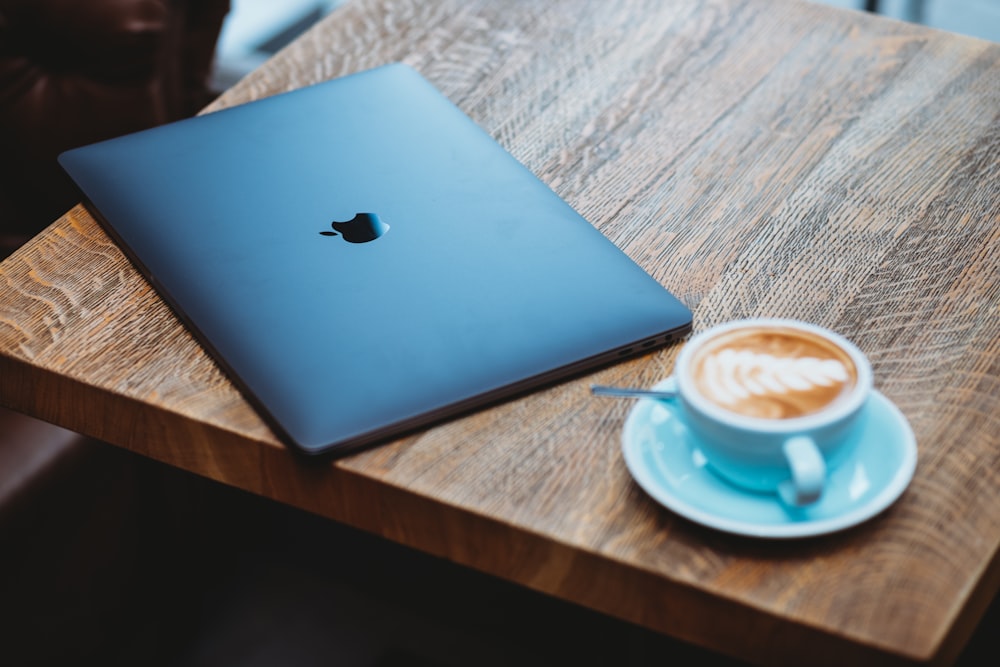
363 259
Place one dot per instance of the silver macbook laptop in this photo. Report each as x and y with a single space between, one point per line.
363 260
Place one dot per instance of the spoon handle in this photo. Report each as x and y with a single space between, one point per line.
625 392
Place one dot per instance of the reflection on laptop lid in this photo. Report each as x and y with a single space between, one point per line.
364 260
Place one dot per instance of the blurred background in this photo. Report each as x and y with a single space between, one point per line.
257 29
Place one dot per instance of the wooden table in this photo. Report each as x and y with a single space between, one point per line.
758 157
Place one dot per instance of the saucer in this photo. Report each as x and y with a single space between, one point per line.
663 457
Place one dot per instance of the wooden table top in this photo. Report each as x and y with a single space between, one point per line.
759 158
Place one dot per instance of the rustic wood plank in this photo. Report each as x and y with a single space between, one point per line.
758 158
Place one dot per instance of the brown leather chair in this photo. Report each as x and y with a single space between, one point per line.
73 72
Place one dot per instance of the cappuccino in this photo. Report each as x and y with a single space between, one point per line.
772 372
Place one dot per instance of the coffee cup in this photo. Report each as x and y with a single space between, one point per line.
773 403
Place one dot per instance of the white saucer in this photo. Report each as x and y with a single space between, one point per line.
663 457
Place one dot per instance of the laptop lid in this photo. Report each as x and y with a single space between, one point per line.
362 259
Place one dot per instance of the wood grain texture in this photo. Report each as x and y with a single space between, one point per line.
759 158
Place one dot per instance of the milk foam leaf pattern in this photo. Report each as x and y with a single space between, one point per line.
738 374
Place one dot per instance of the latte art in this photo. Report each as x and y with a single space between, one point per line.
734 376
773 374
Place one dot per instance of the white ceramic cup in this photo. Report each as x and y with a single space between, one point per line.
788 454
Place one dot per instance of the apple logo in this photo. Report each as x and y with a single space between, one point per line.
362 228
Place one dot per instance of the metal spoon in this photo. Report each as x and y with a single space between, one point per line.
626 392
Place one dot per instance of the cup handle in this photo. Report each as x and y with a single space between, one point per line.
808 472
